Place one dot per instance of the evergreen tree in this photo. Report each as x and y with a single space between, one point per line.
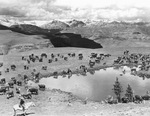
118 89
129 93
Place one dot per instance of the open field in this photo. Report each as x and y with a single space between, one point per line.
57 103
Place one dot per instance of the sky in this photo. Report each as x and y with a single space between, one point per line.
119 10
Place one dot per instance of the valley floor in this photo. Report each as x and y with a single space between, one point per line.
57 103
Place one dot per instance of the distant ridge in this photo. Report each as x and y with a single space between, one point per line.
76 23
55 24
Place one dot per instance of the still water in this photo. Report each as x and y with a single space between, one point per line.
99 85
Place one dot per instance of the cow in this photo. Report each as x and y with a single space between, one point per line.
65 58
44 67
3 80
18 90
138 99
13 67
2 90
33 91
27 96
11 84
14 80
1 64
42 87
50 61
124 100
19 83
146 97
10 94
44 55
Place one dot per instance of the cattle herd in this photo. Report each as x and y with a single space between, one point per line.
14 85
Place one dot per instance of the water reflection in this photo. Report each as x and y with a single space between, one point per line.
97 85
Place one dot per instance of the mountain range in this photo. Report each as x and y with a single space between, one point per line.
74 32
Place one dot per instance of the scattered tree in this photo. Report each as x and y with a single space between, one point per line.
129 93
117 89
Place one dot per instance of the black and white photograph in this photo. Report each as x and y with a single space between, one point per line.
74 57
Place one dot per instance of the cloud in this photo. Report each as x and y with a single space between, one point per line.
12 12
81 9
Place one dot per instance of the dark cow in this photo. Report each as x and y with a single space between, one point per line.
10 94
41 60
42 87
3 80
50 61
33 91
56 59
91 64
138 99
44 55
27 96
146 97
1 64
2 90
65 58
13 67
11 84
44 67
25 77
7 70
125 100
18 90
14 80
19 83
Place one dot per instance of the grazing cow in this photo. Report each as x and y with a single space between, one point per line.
56 59
11 84
0 73
52 55
138 99
13 67
33 91
19 83
1 64
91 64
55 74
146 97
44 55
93 55
27 96
64 73
10 94
125 100
73 54
25 77
65 58
44 67
14 80
41 87
50 61
41 60
18 90
7 70
80 57
97 61
69 71
2 90
3 80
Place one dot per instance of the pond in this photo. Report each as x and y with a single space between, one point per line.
99 85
